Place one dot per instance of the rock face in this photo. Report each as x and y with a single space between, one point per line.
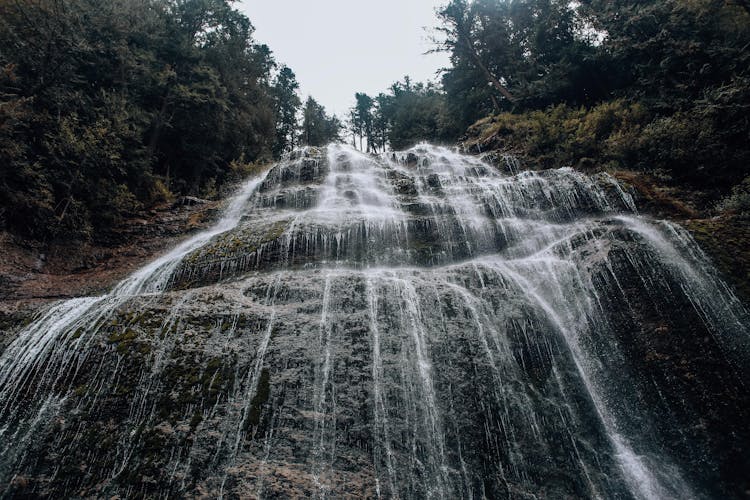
361 327
33 272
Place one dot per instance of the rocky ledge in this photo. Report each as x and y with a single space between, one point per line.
33 273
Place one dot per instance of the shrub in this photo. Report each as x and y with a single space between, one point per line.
739 201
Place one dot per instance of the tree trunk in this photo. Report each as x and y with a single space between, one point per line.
495 104
495 82
490 77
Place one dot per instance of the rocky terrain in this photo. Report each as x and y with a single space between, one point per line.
34 273
723 234
414 326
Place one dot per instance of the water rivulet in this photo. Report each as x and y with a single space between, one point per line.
416 325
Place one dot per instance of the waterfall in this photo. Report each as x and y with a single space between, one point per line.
54 344
410 325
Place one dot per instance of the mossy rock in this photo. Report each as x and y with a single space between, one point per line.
260 399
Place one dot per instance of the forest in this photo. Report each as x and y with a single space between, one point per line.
109 106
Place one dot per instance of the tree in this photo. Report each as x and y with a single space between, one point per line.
418 112
516 54
382 121
318 129
286 107
459 22
407 114
668 51
362 118
109 105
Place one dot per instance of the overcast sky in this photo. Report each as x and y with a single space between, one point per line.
339 47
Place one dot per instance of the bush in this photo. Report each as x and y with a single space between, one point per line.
738 202
707 147
159 193
564 136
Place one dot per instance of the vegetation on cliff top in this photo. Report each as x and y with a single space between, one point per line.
107 106
657 85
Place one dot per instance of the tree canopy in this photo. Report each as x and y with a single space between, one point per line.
107 106
318 128
286 105
408 113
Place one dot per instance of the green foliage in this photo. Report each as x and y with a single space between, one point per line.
665 53
286 105
109 105
418 113
684 63
706 144
318 129
407 114
693 146
658 85
668 52
739 201
564 136
362 119
241 169
517 53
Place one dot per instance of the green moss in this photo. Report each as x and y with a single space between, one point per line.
276 231
122 390
126 335
192 383
236 243
153 442
562 136
259 400
77 334
144 348
172 330
206 323
214 364
123 338
196 419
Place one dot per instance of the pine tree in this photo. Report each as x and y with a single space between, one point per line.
286 105
318 129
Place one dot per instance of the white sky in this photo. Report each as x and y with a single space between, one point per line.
339 47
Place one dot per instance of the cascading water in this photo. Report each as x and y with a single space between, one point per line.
414 325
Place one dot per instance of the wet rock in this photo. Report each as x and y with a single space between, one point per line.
364 330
